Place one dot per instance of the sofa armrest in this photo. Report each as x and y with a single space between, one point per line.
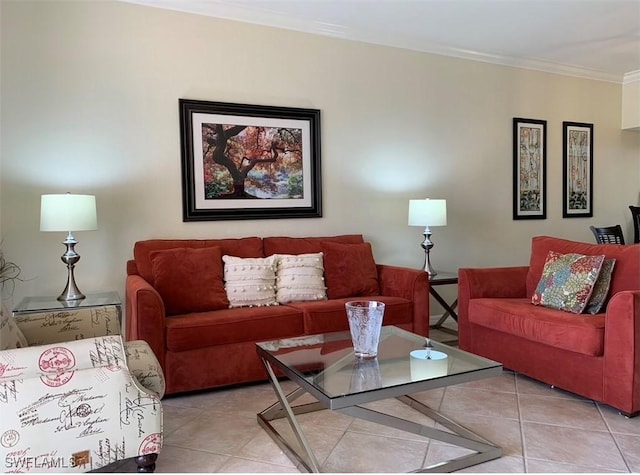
490 282
411 284
622 351
145 315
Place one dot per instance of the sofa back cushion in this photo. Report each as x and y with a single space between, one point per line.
349 270
307 245
189 279
242 247
626 275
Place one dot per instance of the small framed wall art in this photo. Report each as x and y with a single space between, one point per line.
577 170
249 161
529 168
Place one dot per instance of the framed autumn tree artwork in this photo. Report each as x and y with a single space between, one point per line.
244 161
529 168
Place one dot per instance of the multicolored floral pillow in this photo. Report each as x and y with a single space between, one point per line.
567 281
601 289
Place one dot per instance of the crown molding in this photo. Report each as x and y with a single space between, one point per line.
632 76
261 16
523 63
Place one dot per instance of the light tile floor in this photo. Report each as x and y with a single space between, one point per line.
540 429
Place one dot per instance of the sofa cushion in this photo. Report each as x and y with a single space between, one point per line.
600 292
349 270
306 245
626 275
232 325
250 281
242 247
542 325
189 280
331 315
567 281
300 277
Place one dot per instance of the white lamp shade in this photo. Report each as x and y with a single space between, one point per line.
427 212
428 364
68 213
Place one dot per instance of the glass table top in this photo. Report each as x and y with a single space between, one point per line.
326 365
38 304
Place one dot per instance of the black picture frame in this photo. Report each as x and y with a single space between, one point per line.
577 170
267 167
529 168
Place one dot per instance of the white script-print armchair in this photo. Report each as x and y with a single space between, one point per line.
70 404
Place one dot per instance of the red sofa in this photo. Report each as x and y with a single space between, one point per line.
207 349
596 356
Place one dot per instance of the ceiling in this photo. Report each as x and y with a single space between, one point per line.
597 39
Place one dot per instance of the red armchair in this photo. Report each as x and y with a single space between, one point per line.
596 356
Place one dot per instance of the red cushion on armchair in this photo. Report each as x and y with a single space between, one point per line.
625 276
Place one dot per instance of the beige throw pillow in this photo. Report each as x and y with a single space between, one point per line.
250 282
300 278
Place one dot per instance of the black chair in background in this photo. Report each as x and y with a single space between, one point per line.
635 214
608 234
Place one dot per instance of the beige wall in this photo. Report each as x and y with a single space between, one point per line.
90 104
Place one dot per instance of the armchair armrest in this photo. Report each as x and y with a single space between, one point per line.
57 363
411 284
145 315
144 365
622 351
490 282
87 413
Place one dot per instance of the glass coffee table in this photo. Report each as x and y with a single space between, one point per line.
325 367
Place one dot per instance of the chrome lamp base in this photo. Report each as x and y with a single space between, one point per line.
70 258
427 245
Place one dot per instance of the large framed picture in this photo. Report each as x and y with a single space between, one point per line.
529 168
577 167
249 161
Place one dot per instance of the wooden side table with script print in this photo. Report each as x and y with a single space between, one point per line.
98 314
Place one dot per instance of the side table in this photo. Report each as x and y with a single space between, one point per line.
444 278
96 315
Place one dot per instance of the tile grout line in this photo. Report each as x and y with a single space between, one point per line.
612 434
429 439
523 440
244 459
322 464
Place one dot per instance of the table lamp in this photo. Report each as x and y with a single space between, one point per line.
427 213
69 213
